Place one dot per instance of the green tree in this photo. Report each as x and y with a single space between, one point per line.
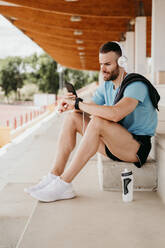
95 77
42 70
5 82
76 77
80 78
11 76
48 77
30 67
30 62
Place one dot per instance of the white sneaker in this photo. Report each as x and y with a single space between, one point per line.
43 183
56 190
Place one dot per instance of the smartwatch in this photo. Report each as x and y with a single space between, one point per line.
78 99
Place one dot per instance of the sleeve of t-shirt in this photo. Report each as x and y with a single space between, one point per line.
136 90
98 96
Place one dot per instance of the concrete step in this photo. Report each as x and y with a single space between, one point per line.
16 206
160 151
96 219
109 171
23 164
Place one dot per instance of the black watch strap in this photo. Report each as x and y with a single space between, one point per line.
78 99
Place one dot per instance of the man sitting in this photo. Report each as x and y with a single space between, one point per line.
123 120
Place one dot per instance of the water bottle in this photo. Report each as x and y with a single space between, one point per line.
127 185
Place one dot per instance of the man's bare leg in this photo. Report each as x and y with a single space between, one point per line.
67 140
66 143
117 139
48 189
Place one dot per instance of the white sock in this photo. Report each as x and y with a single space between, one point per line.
53 176
65 183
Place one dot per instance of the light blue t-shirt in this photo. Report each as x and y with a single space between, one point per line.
143 120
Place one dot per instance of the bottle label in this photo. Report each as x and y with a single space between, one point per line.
126 183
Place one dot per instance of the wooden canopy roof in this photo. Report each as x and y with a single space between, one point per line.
71 31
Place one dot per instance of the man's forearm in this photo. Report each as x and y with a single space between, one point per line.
105 112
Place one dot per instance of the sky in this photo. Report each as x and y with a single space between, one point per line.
14 43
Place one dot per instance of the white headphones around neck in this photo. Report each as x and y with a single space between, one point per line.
123 60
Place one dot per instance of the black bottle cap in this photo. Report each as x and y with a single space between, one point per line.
126 174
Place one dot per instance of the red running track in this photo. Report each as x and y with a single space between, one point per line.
10 112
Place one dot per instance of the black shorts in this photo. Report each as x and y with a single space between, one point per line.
143 152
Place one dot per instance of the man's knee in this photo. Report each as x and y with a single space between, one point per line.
102 125
98 122
73 117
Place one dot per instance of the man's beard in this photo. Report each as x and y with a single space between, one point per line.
113 76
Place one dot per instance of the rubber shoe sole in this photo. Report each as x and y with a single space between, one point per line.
65 196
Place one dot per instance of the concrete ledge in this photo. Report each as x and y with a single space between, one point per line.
109 171
160 153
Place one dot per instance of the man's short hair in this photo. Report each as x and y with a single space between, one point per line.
111 46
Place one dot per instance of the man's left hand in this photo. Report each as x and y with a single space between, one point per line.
67 103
